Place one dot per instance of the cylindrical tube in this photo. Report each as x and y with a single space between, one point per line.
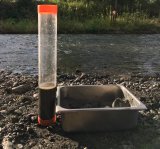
47 63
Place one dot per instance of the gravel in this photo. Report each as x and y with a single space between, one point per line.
18 114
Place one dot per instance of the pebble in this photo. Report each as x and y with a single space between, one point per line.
156 117
6 143
121 79
14 119
15 84
18 111
30 130
19 146
32 143
35 95
51 138
3 112
5 105
25 98
22 108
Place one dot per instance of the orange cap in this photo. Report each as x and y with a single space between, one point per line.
47 9
46 122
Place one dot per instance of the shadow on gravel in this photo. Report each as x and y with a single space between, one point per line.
144 136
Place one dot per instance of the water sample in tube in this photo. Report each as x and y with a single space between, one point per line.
47 63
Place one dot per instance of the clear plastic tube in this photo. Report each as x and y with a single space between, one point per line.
47 29
47 62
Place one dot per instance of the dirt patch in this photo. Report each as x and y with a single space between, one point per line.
18 115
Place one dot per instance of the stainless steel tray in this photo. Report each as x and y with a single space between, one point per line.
97 119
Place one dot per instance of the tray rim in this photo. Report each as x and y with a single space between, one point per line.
60 109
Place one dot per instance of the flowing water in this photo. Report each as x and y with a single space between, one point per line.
88 52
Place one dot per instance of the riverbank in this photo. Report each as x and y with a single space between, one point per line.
94 25
18 114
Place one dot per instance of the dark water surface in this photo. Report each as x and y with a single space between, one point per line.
89 53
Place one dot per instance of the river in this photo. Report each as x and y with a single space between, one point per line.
87 52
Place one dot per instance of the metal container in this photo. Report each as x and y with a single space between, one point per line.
106 118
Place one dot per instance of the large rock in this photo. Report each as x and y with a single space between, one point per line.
21 89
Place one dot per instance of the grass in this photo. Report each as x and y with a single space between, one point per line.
104 25
11 26
93 25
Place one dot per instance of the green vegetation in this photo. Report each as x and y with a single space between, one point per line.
21 26
103 25
84 16
94 25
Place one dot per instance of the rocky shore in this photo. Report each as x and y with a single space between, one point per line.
19 106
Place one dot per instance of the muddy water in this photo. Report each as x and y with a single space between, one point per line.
89 53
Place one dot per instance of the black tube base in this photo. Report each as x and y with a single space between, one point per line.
47 105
